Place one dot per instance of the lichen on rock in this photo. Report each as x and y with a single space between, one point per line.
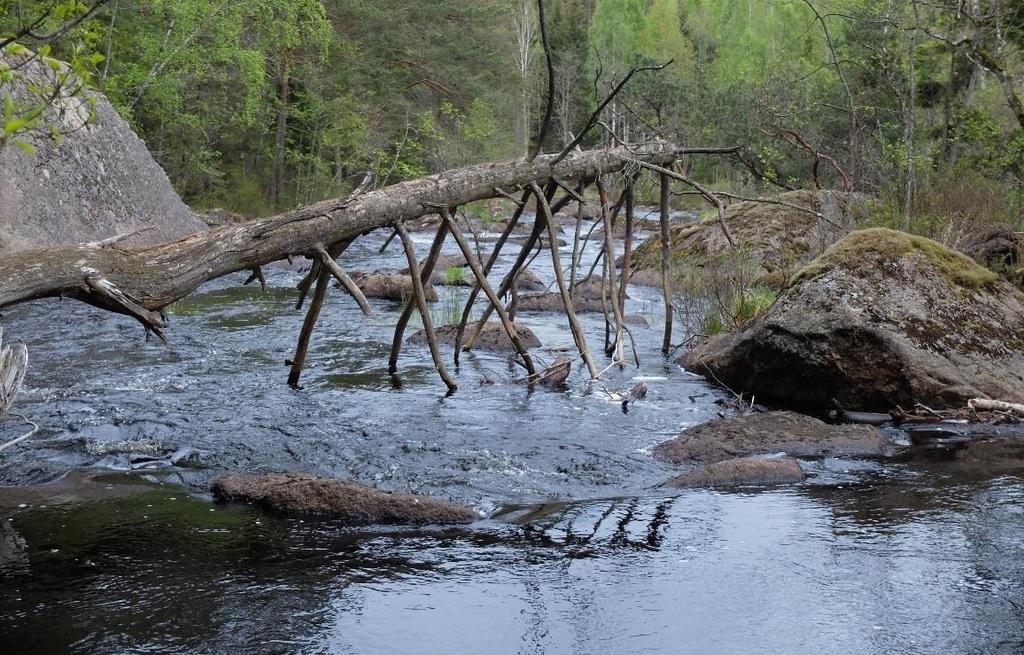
881 319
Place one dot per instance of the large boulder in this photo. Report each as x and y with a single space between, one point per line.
96 181
768 433
775 240
881 319
353 503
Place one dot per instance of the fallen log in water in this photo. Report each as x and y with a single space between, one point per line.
141 281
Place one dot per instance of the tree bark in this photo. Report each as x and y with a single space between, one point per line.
141 281
281 130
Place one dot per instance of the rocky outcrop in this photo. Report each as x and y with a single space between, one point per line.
347 501
774 240
743 471
882 319
492 337
768 433
96 181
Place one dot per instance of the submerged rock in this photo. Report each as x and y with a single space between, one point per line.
773 240
771 432
743 471
355 503
586 298
528 281
492 337
97 181
882 319
390 286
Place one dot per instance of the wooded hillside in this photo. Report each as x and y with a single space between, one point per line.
263 105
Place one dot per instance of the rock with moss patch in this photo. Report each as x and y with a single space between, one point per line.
770 432
347 501
492 336
741 472
881 319
773 240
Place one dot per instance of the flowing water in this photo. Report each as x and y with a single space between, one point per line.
580 551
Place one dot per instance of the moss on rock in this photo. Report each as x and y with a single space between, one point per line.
867 250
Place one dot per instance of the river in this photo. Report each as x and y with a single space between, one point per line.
579 550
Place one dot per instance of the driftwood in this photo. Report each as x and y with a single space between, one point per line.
986 405
13 362
403 320
609 261
481 279
563 288
666 256
421 303
140 281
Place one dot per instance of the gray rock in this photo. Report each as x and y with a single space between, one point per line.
879 320
744 471
586 298
492 337
390 286
767 433
98 181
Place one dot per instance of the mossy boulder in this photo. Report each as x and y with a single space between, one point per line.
347 501
881 319
774 239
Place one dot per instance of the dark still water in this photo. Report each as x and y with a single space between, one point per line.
579 552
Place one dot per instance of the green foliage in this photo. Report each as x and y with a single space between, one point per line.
750 303
454 275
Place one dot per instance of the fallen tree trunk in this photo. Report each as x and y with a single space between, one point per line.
141 281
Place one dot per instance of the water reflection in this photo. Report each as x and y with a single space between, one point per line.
776 572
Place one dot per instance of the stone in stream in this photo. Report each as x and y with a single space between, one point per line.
543 241
742 471
97 181
389 285
492 337
773 240
881 319
767 433
528 281
294 493
554 376
586 298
